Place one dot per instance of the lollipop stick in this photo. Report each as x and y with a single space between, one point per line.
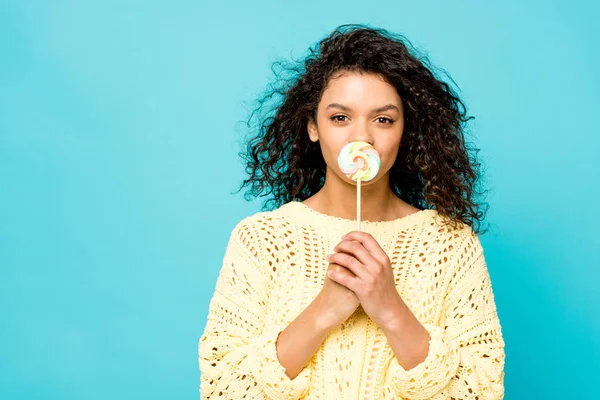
358 205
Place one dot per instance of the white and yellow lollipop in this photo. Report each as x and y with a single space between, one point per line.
360 162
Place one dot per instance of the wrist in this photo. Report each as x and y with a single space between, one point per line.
396 317
324 318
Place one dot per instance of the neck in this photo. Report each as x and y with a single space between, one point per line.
338 198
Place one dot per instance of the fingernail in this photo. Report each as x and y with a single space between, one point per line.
344 237
328 256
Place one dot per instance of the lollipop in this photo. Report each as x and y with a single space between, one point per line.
359 161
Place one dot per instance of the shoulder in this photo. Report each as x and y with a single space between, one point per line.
447 227
265 221
460 246
262 226
259 237
452 237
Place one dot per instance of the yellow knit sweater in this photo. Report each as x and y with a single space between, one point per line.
275 265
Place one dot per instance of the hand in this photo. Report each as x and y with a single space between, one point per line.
368 273
337 301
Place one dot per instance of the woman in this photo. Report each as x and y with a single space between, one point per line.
306 307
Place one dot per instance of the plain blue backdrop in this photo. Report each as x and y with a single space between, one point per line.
120 123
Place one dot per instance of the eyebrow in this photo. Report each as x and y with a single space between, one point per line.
377 110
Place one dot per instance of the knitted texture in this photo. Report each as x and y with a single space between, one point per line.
274 266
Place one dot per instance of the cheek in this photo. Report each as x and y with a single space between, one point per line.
330 147
329 153
389 143
390 159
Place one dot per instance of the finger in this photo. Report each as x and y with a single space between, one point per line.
343 276
369 243
350 262
356 249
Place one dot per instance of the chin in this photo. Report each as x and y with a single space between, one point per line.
363 183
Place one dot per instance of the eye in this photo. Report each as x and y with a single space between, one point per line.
385 120
338 118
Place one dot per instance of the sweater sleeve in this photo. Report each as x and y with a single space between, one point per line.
466 354
237 352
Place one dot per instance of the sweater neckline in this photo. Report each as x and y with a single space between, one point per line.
307 214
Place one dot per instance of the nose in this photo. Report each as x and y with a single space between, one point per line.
362 133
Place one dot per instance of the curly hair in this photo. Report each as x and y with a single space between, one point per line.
435 167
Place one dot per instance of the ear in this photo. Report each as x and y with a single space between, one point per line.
313 133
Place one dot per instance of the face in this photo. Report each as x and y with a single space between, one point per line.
358 106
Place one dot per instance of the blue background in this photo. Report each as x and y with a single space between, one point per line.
120 123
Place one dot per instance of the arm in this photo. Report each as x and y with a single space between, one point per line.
302 338
237 352
407 337
465 359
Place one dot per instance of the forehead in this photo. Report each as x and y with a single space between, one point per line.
359 89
